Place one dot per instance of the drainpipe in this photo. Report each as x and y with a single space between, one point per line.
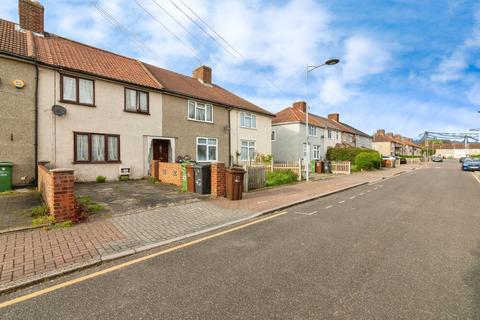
229 139
36 123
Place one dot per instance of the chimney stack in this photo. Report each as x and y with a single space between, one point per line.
334 116
203 74
30 14
381 132
390 134
300 105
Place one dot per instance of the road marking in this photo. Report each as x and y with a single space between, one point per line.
375 188
341 201
352 197
368 191
131 262
361 194
328 207
307 213
475 176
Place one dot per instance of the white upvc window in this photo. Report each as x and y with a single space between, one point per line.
248 120
199 111
312 131
316 152
207 149
329 134
247 150
336 134
305 151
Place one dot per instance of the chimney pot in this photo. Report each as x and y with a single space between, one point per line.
390 134
381 131
203 73
300 105
334 116
31 14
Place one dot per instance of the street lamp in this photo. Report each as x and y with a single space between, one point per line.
310 68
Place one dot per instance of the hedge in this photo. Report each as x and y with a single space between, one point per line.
368 161
346 153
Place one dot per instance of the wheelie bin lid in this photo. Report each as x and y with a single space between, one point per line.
6 164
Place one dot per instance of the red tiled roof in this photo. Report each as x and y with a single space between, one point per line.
185 85
386 138
71 55
60 52
291 114
458 146
11 40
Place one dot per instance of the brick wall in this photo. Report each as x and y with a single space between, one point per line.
31 15
218 179
57 187
169 172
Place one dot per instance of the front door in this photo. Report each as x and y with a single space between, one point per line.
160 150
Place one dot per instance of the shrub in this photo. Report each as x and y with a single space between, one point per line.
280 177
346 153
123 178
101 179
368 161
264 158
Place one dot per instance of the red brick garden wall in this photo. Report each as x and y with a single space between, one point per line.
57 187
167 172
218 179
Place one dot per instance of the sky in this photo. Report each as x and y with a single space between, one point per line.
406 66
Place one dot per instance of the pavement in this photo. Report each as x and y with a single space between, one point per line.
403 248
31 256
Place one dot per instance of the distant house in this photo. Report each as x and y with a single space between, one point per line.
120 112
289 141
457 150
394 144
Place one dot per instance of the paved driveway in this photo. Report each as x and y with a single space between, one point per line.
14 209
132 196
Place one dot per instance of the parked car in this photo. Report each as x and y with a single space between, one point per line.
471 164
403 161
437 159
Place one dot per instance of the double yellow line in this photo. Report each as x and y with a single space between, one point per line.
131 262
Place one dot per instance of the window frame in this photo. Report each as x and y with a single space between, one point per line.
310 127
273 136
137 101
207 153
329 133
248 149
206 105
316 149
90 161
252 116
77 88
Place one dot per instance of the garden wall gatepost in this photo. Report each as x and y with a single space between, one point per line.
218 177
58 191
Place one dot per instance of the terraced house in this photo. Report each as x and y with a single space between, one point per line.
289 141
389 144
99 112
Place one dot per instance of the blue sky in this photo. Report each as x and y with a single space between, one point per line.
406 65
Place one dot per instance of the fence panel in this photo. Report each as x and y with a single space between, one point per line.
255 177
341 167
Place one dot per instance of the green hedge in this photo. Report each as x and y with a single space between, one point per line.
280 177
368 161
346 153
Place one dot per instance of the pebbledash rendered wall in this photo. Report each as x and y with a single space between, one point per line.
17 119
56 134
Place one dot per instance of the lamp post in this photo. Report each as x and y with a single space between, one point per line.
310 68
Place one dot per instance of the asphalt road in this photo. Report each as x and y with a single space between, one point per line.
403 248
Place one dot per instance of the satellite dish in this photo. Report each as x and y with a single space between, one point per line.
59 110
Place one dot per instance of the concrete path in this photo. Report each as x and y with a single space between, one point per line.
403 248
29 256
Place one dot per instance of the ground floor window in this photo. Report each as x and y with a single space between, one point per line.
96 147
247 150
207 149
316 152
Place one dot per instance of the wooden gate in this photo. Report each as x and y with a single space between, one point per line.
255 177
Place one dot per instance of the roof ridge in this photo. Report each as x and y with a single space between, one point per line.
144 68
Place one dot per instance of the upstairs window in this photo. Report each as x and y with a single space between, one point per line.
200 111
77 90
329 134
136 101
248 120
312 131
